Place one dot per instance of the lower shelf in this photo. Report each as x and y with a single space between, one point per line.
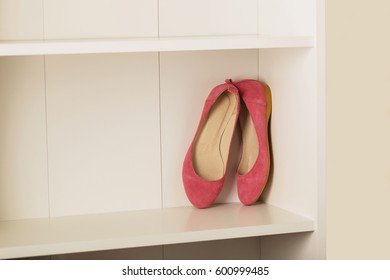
50 236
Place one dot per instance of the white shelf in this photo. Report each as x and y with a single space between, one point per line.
57 47
35 237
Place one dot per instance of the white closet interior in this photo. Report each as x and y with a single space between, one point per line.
99 101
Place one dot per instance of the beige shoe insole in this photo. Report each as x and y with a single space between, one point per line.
211 147
250 141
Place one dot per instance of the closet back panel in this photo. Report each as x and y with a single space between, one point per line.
21 20
38 19
103 133
103 18
233 249
23 157
286 17
204 17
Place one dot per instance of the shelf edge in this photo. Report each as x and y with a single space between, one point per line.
62 47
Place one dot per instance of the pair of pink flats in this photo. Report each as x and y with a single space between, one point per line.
249 103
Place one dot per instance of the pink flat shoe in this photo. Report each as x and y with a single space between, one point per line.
253 169
205 163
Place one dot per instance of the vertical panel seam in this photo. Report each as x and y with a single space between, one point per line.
158 19
46 114
43 20
258 64
258 32
47 137
258 18
160 131
160 109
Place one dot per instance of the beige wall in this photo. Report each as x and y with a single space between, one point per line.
358 129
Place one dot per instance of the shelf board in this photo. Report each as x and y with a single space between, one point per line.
58 47
61 235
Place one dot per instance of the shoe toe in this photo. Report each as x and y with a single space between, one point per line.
201 193
249 189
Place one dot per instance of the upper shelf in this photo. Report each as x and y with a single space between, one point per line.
85 46
49 236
